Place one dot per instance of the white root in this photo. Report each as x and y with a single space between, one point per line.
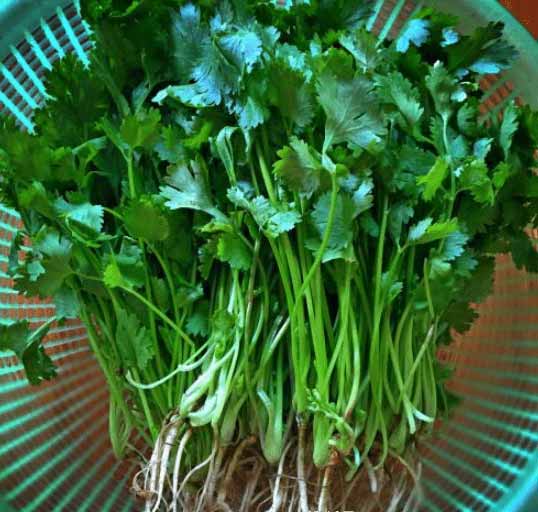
170 438
251 488
277 495
292 507
177 467
152 472
349 490
193 471
374 484
324 494
249 441
214 475
301 481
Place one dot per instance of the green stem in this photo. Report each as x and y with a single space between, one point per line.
324 244
160 314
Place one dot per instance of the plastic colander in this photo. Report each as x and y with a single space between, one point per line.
54 448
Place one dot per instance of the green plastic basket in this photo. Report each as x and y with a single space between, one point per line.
54 448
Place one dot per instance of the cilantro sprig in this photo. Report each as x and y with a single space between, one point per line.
260 213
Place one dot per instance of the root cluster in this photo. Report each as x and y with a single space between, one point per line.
236 478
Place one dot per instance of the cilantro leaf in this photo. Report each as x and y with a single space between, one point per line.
187 190
415 32
441 86
134 341
292 95
45 274
509 127
475 179
84 214
125 269
141 129
187 35
400 215
434 179
67 303
426 232
454 246
274 220
169 146
352 111
483 51
395 89
450 37
342 232
17 337
144 219
363 46
231 249
299 168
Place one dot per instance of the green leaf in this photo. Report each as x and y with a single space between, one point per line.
419 230
395 89
415 32
400 215
342 231
67 303
524 251
434 179
134 341
273 219
198 322
291 95
224 147
475 179
27 346
441 86
13 257
250 106
362 197
482 147
467 119
425 232
483 51
450 37
187 190
391 288
144 219
231 249
141 130
45 276
363 46
35 197
161 293
454 246
501 174
352 111
170 147
299 167
125 269
509 127
84 214
71 119
187 33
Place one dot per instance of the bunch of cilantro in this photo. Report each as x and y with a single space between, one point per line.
268 220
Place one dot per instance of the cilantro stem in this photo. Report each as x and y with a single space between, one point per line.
324 243
266 176
112 380
130 174
160 314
